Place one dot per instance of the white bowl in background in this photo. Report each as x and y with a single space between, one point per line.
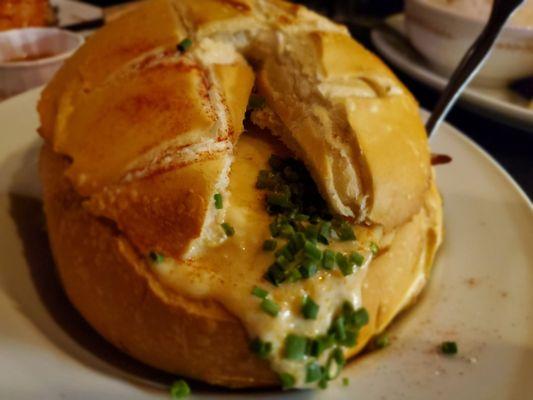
48 47
443 36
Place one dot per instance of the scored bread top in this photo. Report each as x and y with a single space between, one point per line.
149 128
151 25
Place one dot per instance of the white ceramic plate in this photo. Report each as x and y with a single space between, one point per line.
499 103
481 296
73 12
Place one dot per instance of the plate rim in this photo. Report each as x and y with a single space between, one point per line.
486 155
31 96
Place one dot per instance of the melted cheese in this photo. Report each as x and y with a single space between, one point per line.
229 270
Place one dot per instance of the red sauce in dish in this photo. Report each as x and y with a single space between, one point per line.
438 159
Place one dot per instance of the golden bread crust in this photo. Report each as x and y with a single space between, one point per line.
236 82
140 134
162 212
147 109
115 291
153 24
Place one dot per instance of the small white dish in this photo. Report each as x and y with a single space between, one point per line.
498 103
29 57
443 36
480 295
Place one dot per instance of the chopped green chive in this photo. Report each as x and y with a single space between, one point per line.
294 275
286 231
179 390
270 307
324 232
218 201
350 338
382 341
184 45
345 381
343 333
344 264
360 317
308 268
258 292
345 232
269 245
311 233
313 372
311 251
347 309
338 328
285 252
295 347
328 260
374 248
299 240
274 229
228 229
275 274
292 245
156 257
255 101
309 308
320 344
338 355
449 348
260 348
334 364
287 380
283 261
279 199
301 217
357 258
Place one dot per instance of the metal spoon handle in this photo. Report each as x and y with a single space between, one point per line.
472 61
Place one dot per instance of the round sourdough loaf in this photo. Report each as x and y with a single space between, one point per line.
141 128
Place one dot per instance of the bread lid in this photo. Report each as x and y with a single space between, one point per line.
133 105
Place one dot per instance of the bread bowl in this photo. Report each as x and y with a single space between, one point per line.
155 198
